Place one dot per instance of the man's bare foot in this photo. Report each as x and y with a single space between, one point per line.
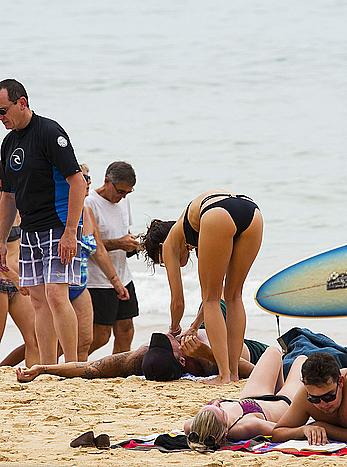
218 381
25 375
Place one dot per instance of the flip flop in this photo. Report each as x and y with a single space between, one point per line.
102 441
86 440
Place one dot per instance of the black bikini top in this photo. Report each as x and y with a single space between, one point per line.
191 235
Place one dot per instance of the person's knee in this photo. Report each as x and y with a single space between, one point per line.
102 334
57 296
38 299
232 296
124 327
274 352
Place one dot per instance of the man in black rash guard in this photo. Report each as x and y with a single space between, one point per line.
42 178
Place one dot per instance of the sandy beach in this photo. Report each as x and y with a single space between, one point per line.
40 419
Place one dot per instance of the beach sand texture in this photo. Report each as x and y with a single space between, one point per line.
39 419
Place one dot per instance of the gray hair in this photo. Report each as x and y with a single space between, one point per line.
121 172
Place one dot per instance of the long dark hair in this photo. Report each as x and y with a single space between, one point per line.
156 234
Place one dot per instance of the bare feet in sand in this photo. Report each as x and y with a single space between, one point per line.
219 380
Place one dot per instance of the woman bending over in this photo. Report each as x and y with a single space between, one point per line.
227 231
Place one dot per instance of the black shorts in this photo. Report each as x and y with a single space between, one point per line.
108 308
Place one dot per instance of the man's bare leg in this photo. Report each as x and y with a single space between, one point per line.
123 330
44 327
101 336
64 318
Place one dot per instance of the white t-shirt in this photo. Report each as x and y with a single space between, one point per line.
114 221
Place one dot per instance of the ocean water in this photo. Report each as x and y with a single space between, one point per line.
248 96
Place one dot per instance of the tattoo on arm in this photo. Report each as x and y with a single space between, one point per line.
94 370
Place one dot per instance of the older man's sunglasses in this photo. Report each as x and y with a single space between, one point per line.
327 397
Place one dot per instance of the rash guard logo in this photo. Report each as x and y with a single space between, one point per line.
17 159
62 141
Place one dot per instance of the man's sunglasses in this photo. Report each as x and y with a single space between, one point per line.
327 397
86 178
209 441
4 111
122 192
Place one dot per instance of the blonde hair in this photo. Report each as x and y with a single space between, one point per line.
205 424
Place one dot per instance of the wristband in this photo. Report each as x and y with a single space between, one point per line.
176 332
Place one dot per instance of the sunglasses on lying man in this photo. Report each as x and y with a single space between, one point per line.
327 397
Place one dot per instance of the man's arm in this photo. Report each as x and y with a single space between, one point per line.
7 217
117 365
126 243
68 242
334 432
293 422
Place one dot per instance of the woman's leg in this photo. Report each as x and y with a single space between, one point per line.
293 381
215 247
264 377
84 312
15 357
23 315
3 312
245 250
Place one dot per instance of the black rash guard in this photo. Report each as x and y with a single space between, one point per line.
36 162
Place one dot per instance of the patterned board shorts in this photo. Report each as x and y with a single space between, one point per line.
39 262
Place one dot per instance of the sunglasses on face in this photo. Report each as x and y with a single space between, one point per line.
328 397
3 110
122 192
87 178
209 441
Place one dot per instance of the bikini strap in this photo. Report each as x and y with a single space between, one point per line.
244 197
215 195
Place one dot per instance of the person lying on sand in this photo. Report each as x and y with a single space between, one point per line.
323 397
165 359
263 400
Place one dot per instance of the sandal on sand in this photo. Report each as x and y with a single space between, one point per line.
86 440
102 441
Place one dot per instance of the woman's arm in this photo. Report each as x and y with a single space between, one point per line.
171 257
251 426
103 260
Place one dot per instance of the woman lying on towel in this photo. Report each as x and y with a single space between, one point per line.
263 400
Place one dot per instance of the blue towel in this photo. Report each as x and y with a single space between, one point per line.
302 341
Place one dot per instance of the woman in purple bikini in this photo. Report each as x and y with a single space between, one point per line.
262 402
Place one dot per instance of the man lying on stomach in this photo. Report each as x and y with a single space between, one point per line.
323 397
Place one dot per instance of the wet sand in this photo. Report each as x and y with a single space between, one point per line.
39 419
